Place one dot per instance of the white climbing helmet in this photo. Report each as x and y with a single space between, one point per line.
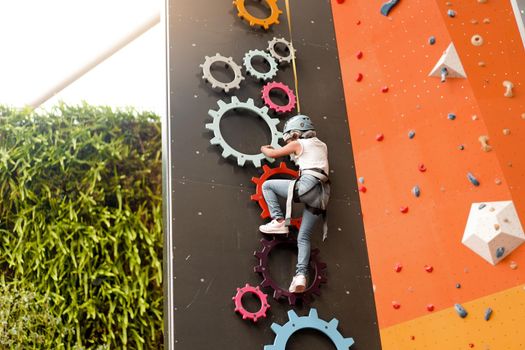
299 122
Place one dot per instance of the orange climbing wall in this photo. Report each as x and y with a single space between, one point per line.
396 55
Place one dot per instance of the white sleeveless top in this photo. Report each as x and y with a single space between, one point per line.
314 154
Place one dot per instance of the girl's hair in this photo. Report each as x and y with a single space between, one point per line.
296 134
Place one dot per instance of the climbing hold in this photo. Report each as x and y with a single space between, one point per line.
496 227
228 151
358 22
461 147
312 321
484 140
472 179
388 6
481 206
497 181
432 40
470 345
422 168
283 88
476 40
404 210
396 305
228 62
362 189
508 88
499 252
486 20
429 268
475 117
506 132
380 137
340 1
488 313
430 307
411 134
481 64
451 13
461 310
482 1
444 73
513 265
474 21
359 77
449 65
362 180
523 116
263 298
416 191
412 337
281 59
458 286
451 116
250 55
359 55
398 267
384 89
252 20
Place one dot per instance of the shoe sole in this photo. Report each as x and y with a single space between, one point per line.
271 232
298 289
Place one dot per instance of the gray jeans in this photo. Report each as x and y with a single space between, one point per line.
272 189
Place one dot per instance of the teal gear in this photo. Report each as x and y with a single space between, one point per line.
299 122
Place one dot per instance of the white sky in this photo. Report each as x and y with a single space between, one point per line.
44 42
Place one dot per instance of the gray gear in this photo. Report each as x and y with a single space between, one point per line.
206 72
279 58
227 149
254 72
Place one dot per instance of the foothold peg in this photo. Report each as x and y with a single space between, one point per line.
506 132
496 227
359 55
513 265
484 140
451 116
412 337
475 117
474 21
486 20
430 307
461 147
429 268
499 252
476 40
508 88
497 181
404 210
451 13
384 89
398 267
432 40
359 77
340 1
362 189
488 313
470 345
411 134
396 305
416 191
358 22
458 286
472 179
460 310
422 168
481 64
380 137
444 73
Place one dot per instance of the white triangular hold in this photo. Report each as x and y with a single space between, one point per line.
493 227
449 60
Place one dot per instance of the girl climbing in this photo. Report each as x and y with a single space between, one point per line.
311 188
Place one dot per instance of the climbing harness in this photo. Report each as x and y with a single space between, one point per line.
228 62
282 87
312 321
281 59
263 298
279 292
248 57
227 149
263 22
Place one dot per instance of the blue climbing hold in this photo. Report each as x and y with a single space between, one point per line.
411 134
362 180
444 73
432 40
499 252
473 179
481 206
388 6
451 116
461 310
451 13
488 313
416 191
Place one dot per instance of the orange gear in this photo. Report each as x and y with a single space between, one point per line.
263 22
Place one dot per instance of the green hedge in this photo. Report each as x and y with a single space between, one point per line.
81 221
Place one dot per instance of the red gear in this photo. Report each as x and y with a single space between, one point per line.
237 300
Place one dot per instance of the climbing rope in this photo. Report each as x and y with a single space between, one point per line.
293 56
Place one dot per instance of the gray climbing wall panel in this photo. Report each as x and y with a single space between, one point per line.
215 225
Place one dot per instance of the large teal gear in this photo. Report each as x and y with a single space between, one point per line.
296 323
230 151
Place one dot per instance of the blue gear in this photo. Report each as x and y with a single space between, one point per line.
296 323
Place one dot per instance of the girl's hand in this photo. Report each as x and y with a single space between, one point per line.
292 147
265 147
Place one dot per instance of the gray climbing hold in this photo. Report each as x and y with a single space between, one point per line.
488 314
250 69
416 191
472 179
481 206
499 252
388 6
451 13
451 116
228 62
460 310
432 40
411 134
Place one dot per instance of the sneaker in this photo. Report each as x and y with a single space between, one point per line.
274 227
298 284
